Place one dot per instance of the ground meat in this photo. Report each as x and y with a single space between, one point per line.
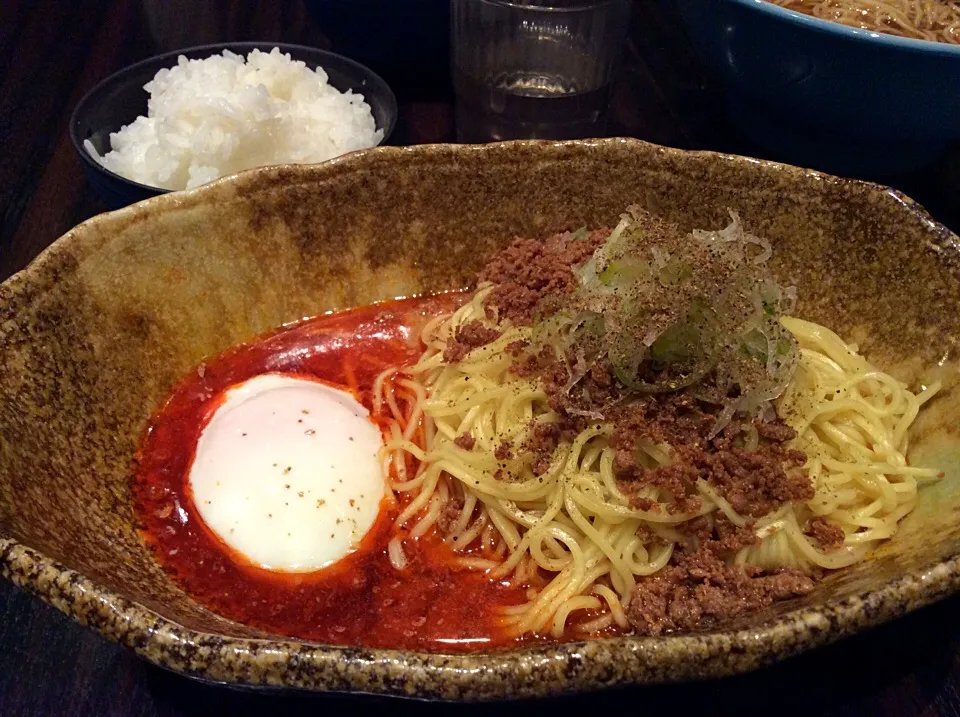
468 337
514 302
465 441
529 271
543 442
730 437
449 514
645 504
515 348
827 535
503 451
600 374
701 588
534 364
718 535
552 373
753 482
678 480
776 431
674 418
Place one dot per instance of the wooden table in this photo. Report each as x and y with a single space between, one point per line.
51 53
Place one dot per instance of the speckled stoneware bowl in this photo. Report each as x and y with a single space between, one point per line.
94 333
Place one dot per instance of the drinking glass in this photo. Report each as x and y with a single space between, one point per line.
542 69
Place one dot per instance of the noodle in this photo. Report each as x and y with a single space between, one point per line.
570 533
934 20
656 443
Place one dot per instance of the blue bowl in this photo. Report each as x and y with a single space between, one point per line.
824 95
120 99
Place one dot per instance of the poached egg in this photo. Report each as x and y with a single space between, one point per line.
286 473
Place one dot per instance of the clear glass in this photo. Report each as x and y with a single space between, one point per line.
524 70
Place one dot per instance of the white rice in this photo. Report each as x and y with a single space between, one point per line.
213 117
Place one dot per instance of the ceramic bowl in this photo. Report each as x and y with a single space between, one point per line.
825 95
120 98
95 332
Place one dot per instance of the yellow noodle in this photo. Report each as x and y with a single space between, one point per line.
574 526
935 20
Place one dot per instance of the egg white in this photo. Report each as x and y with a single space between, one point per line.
286 473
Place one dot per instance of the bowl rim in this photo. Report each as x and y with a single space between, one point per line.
240 48
830 27
527 671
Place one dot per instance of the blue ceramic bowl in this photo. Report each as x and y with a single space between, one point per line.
120 99
824 95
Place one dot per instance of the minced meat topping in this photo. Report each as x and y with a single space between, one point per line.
529 272
467 338
699 589
828 536
674 382
465 441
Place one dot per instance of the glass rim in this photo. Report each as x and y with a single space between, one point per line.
580 6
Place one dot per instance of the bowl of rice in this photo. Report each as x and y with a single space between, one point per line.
185 118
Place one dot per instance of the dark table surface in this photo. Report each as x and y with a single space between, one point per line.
52 52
